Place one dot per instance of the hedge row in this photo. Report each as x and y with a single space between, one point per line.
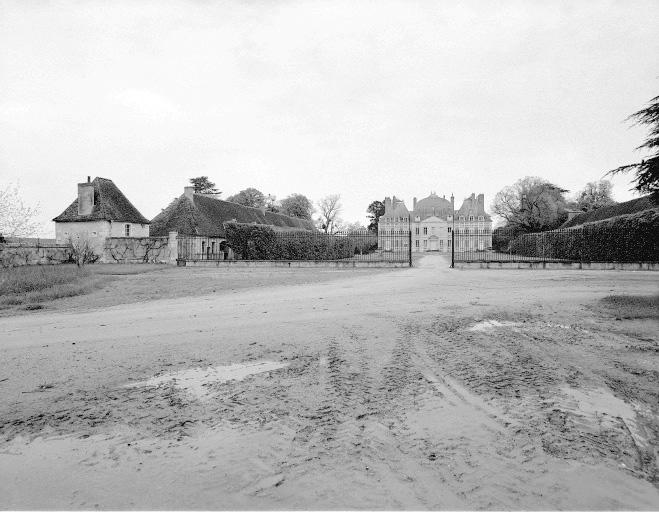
633 237
258 242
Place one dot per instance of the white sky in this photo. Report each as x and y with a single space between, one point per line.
361 98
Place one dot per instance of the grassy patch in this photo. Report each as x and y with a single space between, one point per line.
43 283
632 306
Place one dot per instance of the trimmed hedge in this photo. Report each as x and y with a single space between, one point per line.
258 242
633 237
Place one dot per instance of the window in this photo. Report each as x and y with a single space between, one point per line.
425 244
425 231
480 217
441 244
127 230
203 247
213 247
416 243
417 231
449 244
471 217
449 229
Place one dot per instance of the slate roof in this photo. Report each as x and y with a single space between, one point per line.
606 212
109 204
432 206
472 206
204 215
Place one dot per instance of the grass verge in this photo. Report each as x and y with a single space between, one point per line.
632 306
43 283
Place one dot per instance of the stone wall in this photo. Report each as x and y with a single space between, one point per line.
151 249
14 255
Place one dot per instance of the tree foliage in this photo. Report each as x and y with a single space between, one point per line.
249 197
202 185
297 205
375 211
329 208
595 195
16 219
647 170
531 204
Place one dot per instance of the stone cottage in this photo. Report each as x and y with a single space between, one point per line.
100 211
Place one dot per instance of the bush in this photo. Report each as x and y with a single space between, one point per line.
633 237
258 242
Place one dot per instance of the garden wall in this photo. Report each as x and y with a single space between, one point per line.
151 249
15 255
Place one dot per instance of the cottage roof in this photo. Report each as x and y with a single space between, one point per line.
606 212
204 215
109 204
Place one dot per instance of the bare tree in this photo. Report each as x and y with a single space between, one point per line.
16 219
81 251
531 204
595 195
329 208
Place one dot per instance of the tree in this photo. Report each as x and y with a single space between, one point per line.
595 195
202 185
16 219
531 204
249 197
647 170
297 205
271 204
330 207
376 210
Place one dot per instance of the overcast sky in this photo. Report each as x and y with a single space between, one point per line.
361 98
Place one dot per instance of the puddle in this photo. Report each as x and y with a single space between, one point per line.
596 402
196 381
486 325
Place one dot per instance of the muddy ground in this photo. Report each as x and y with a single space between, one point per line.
414 388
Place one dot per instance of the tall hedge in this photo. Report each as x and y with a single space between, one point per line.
259 242
633 237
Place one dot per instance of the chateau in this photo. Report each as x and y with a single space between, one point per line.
431 221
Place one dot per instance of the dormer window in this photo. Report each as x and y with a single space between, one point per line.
471 218
480 217
462 218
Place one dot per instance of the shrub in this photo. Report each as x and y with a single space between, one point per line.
258 242
633 237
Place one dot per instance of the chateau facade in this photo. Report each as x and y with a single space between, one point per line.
431 222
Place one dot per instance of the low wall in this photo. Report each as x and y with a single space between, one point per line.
16 255
152 249
292 264
557 266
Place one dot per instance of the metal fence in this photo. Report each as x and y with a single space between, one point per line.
590 243
349 246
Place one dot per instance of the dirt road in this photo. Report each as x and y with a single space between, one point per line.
416 388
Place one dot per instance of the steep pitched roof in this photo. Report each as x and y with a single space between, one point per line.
109 204
606 212
473 205
204 215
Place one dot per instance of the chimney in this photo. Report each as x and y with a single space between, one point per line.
481 203
414 204
189 192
85 197
387 204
